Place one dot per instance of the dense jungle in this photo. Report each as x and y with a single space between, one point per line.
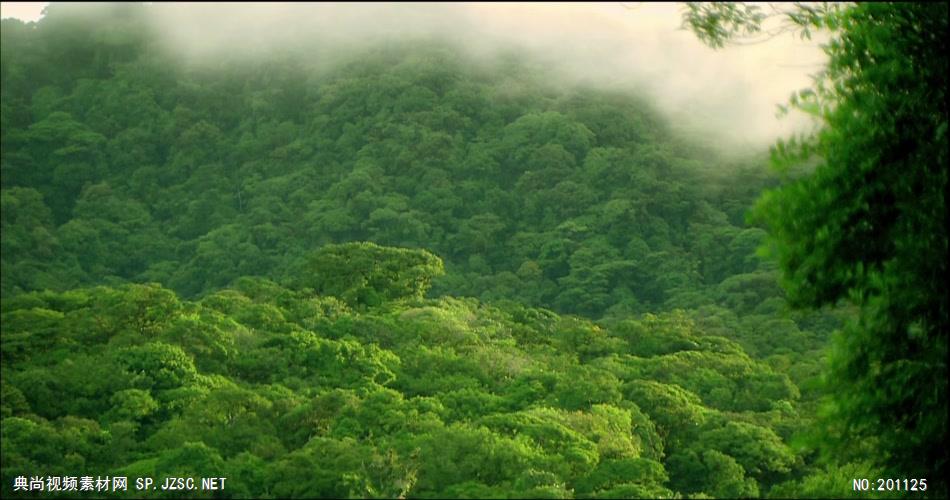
399 270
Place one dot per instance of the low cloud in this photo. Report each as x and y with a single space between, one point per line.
728 95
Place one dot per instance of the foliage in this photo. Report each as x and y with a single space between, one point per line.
193 176
365 273
391 272
295 395
867 224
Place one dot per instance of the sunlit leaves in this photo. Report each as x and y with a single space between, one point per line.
477 417
367 274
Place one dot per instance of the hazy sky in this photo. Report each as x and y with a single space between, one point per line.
732 91
25 11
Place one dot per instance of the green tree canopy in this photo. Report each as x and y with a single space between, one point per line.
867 222
368 274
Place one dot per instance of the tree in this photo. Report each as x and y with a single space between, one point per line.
866 220
368 274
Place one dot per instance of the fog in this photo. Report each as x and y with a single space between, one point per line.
24 11
728 95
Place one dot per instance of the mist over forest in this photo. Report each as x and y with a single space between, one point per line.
473 251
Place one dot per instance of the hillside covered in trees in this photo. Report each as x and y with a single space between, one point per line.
393 272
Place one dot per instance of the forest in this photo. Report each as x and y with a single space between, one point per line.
400 271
